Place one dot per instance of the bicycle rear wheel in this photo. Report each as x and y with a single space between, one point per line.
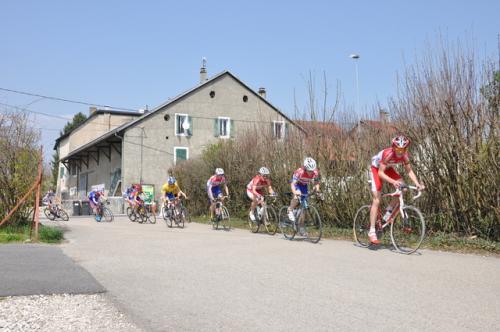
408 230
270 220
107 214
183 217
254 225
226 221
49 214
361 226
286 226
151 217
130 214
312 224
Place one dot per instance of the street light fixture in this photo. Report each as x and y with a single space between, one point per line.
355 57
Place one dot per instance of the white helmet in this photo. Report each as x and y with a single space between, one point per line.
264 171
309 164
219 171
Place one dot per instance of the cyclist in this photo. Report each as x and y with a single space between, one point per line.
382 169
94 197
137 200
254 189
171 192
214 190
302 177
49 199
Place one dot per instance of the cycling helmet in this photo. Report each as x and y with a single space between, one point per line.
400 142
138 187
309 164
219 171
171 180
264 171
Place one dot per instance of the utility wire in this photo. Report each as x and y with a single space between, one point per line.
67 100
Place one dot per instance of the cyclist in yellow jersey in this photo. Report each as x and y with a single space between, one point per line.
171 191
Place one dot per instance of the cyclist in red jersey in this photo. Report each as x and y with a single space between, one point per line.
255 187
382 170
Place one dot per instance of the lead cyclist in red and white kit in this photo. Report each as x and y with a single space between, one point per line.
255 187
382 170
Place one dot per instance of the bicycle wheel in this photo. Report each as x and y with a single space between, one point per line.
254 225
361 226
184 217
286 226
130 214
226 221
312 224
151 217
408 230
270 220
63 215
49 214
107 214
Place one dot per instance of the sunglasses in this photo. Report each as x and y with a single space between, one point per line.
400 150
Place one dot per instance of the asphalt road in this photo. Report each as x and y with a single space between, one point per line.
34 269
197 279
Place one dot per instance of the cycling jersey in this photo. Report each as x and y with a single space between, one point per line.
259 182
216 181
389 158
170 191
302 177
94 197
48 198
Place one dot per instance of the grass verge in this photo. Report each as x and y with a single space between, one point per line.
46 234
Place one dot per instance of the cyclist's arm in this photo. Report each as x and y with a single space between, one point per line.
182 193
226 190
292 185
385 177
271 190
209 192
413 177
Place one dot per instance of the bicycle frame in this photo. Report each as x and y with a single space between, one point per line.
399 208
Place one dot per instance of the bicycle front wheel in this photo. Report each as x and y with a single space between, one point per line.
286 226
408 230
107 214
63 215
226 221
361 226
312 224
270 220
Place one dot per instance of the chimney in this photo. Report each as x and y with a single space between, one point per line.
384 116
262 92
203 71
92 110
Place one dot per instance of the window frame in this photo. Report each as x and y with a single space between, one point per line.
180 148
228 126
185 133
282 131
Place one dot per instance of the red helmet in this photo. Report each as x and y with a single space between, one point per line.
400 142
138 187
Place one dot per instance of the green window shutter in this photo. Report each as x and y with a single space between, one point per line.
180 154
287 125
190 130
216 127
61 172
231 129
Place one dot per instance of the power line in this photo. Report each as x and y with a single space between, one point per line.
36 112
66 100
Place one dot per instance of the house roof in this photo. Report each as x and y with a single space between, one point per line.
196 88
94 114
320 127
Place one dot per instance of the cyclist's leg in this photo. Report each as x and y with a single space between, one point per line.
376 188
391 172
253 204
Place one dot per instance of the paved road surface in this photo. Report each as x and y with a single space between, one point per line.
33 269
197 279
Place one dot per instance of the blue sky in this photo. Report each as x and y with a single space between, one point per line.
132 54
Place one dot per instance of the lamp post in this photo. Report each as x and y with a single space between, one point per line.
355 57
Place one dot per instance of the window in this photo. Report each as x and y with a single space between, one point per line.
222 127
183 125
61 172
279 129
180 154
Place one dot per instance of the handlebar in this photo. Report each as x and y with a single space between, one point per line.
404 186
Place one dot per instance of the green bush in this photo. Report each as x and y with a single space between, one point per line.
50 234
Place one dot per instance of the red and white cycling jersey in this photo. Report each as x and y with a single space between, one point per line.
389 158
303 177
215 181
259 182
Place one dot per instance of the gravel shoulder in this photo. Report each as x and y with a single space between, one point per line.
62 313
